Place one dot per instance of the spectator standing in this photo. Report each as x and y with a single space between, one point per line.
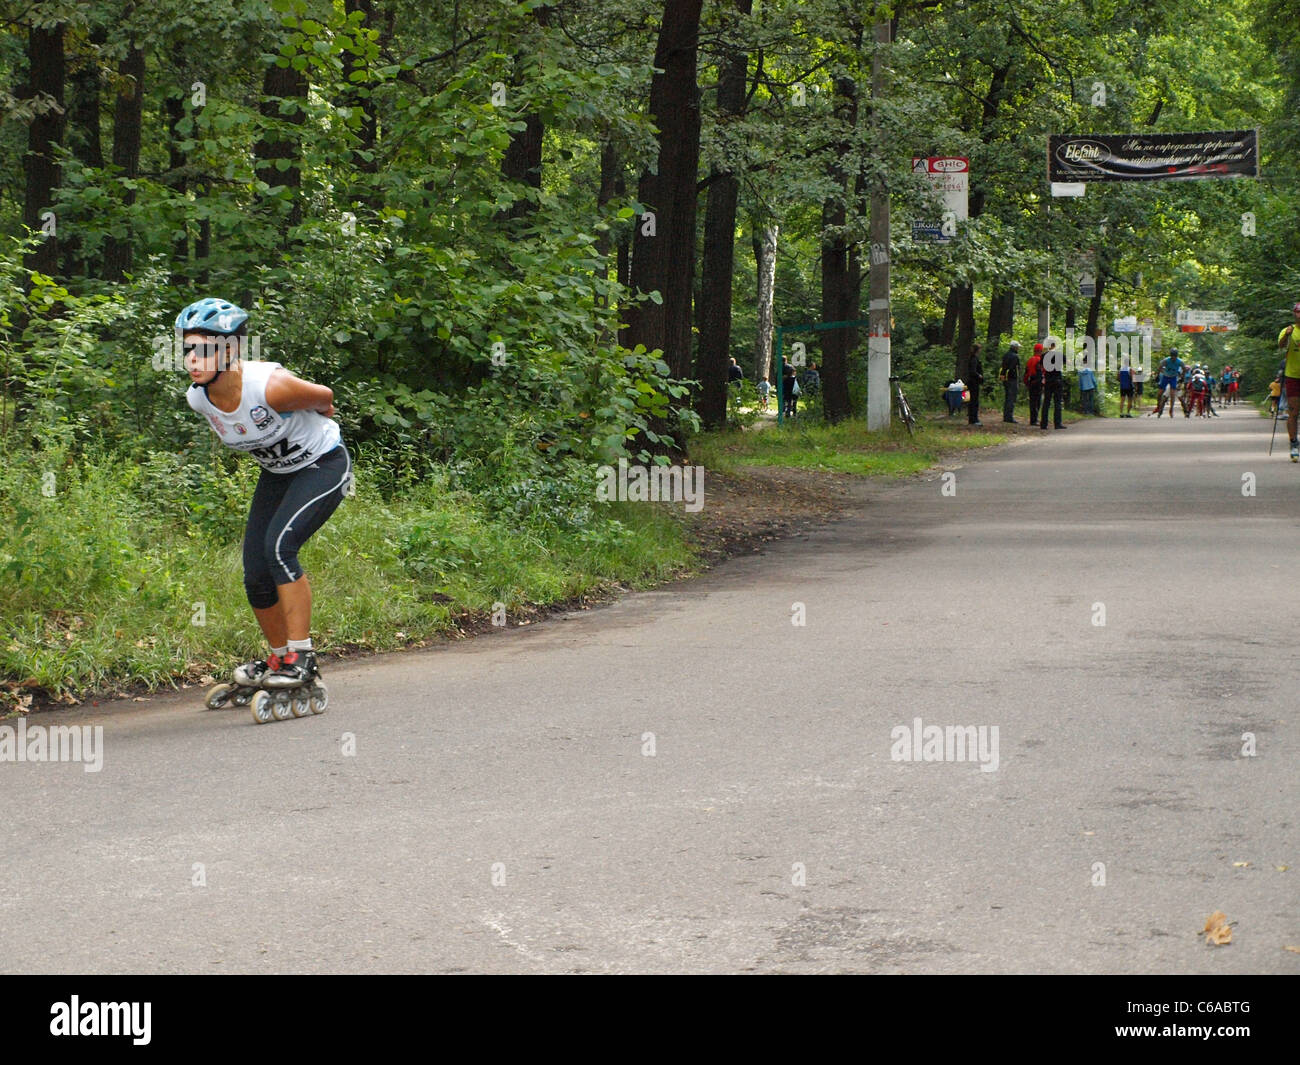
1139 380
1034 381
812 380
1126 390
1087 390
790 391
1009 375
1053 384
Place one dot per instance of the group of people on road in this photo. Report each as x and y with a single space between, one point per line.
1193 385
1043 377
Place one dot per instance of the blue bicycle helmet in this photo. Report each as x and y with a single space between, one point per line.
211 315
214 316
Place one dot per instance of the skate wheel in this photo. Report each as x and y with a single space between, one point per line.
261 707
282 706
301 703
320 697
218 696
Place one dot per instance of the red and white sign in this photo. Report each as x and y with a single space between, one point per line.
948 177
1190 321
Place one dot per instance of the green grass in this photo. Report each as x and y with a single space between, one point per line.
127 575
844 448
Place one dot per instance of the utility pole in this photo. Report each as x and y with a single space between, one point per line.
1045 308
878 369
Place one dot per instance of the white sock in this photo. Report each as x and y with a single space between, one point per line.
300 645
279 652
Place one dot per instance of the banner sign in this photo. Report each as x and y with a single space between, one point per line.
1153 156
1205 321
948 177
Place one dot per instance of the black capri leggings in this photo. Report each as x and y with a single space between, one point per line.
287 509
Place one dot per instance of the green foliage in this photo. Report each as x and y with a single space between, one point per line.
113 573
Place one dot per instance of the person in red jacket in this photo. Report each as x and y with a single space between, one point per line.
1034 382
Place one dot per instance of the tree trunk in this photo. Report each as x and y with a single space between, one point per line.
623 267
1002 310
522 162
712 359
174 113
84 139
663 249
718 264
766 261
965 336
961 298
281 83
838 286
1094 305
47 74
128 116
203 244
951 311
364 160
610 167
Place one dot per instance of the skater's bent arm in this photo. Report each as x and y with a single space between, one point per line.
284 391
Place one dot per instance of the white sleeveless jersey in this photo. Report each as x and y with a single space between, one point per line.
281 442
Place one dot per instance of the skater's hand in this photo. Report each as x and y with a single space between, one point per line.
328 411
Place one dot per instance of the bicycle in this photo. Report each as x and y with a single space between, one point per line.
905 409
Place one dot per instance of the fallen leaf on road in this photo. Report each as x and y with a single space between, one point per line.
1240 865
1216 929
1281 868
1293 950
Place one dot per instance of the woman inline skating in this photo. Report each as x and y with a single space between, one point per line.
286 424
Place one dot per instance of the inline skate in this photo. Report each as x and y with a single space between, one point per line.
246 682
294 689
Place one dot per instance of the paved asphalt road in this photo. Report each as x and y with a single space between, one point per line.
503 810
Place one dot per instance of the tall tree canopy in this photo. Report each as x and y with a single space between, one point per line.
545 221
